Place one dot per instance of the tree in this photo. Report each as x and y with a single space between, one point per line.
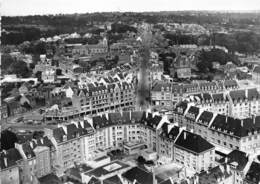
20 68
8 139
141 160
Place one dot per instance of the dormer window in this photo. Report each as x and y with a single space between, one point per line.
64 138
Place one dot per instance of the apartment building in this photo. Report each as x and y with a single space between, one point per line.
237 103
97 98
168 94
115 129
194 152
244 103
256 75
10 161
167 136
74 143
221 130
105 97
38 157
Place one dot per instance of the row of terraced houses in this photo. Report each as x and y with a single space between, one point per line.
78 142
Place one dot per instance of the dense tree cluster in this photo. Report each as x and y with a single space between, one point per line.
8 139
167 58
11 65
206 59
177 38
122 28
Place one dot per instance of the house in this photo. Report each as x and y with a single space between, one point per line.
9 162
220 174
136 175
194 152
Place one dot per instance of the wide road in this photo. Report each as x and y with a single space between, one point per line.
143 87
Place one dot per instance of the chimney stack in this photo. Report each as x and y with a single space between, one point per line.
184 135
5 161
253 117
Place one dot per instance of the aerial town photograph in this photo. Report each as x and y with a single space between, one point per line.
130 92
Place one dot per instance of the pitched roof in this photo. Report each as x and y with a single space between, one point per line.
205 117
215 174
141 176
237 156
193 142
181 107
9 158
237 95
113 180
94 180
218 97
256 69
237 127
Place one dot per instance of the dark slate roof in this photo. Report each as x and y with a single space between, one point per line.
215 174
168 181
141 176
72 131
94 180
45 141
123 118
50 179
113 180
12 156
181 107
152 121
194 111
58 134
239 128
160 85
172 134
256 69
237 156
207 84
205 117
253 174
230 83
218 97
193 142
238 95
252 93
28 150
206 96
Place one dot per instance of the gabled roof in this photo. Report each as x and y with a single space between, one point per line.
252 93
193 142
238 95
256 69
236 127
58 134
215 174
193 110
237 156
9 158
205 117
113 180
141 176
218 97
94 180
170 134
181 108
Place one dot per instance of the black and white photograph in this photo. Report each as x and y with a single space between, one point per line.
130 91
